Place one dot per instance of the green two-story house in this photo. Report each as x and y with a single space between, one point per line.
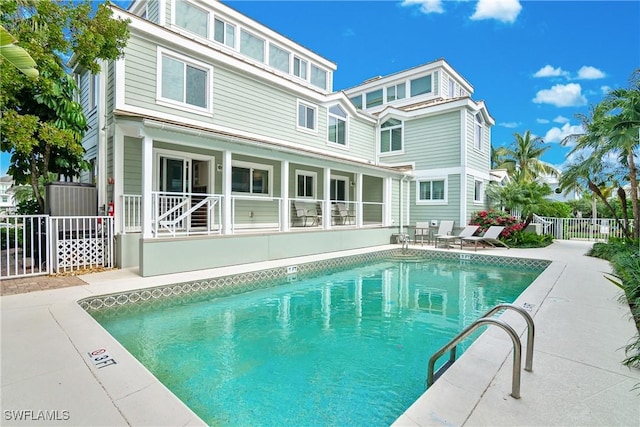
218 141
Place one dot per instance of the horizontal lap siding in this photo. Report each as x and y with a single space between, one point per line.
244 103
476 159
450 211
431 142
132 166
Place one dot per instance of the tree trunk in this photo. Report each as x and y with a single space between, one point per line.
593 187
633 180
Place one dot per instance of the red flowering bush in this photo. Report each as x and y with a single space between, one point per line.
486 219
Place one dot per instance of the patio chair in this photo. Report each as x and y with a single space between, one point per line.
305 212
343 215
420 232
490 237
467 231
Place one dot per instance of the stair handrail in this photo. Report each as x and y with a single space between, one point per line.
171 223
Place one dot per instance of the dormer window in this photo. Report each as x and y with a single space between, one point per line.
192 18
337 125
251 46
318 77
278 58
391 136
452 88
421 85
300 68
396 92
374 98
224 33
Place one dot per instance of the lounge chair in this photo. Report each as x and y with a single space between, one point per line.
445 229
467 231
342 215
306 213
490 237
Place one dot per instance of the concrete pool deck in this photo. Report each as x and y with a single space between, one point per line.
577 379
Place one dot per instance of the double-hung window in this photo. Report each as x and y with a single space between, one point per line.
391 136
251 46
192 18
337 125
374 98
396 92
300 68
307 114
305 184
478 191
251 178
93 90
224 33
477 144
184 81
432 190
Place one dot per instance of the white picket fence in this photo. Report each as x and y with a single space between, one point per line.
41 244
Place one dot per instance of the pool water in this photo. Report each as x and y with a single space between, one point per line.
345 348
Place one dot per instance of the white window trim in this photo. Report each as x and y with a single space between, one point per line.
315 117
307 68
252 165
182 105
432 202
346 125
265 59
226 23
391 152
475 183
93 90
313 175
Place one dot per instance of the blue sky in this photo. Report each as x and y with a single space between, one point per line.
536 64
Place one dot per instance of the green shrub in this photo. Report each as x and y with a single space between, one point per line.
527 239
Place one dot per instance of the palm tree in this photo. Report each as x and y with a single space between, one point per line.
522 158
611 132
16 55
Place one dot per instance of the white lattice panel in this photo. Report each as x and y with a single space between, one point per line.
72 254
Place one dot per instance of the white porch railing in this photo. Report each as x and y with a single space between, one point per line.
185 214
592 229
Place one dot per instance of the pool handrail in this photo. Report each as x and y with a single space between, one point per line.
517 346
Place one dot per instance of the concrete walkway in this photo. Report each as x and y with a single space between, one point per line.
577 379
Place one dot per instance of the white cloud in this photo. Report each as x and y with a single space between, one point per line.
426 6
556 134
503 10
590 73
569 95
542 121
561 119
509 125
605 89
549 71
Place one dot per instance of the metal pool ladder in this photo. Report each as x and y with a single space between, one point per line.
486 320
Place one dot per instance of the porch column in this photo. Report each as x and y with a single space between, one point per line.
226 192
386 201
359 180
284 193
147 186
326 205
114 190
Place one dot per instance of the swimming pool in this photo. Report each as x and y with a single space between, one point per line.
342 347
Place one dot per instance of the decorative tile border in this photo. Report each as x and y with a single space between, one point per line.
238 283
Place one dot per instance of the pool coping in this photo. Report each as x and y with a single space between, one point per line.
54 323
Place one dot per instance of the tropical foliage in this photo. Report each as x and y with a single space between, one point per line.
15 55
486 219
604 156
522 158
42 124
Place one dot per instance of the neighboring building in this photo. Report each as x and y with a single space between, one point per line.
557 194
7 202
222 142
